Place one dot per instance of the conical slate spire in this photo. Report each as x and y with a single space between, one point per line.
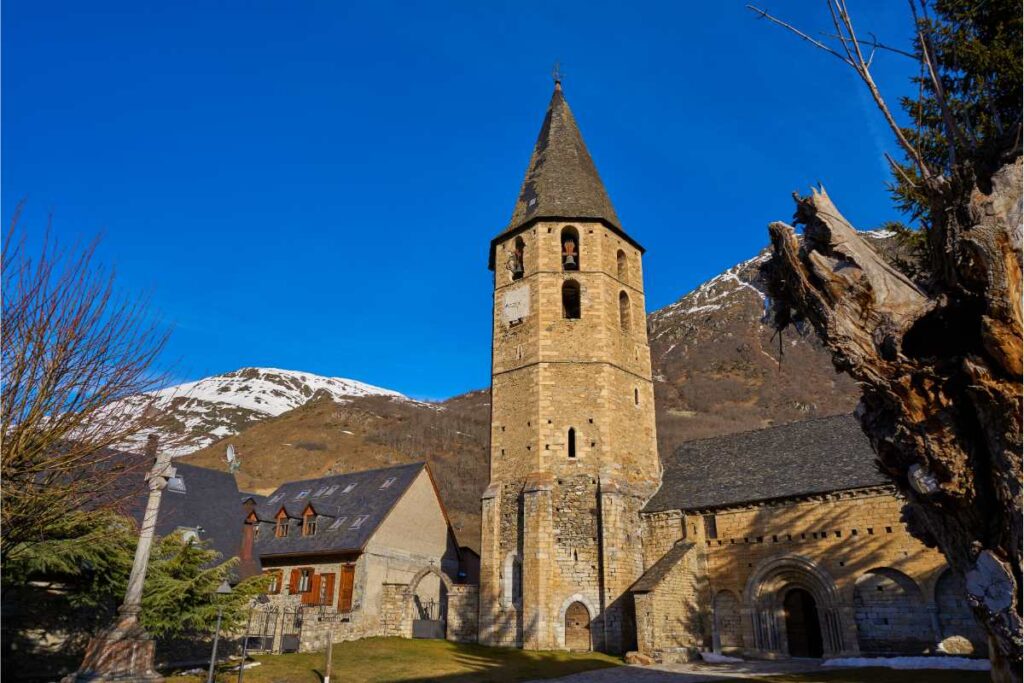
561 180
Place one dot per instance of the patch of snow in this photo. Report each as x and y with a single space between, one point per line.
716 658
958 663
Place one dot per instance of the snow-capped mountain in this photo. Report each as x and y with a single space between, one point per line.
193 415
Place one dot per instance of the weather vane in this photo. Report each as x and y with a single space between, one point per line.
556 72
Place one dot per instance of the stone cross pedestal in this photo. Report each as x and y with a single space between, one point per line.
124 652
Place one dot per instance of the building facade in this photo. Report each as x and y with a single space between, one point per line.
781 542
355 555
573 447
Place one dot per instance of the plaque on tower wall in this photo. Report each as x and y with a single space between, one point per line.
516 304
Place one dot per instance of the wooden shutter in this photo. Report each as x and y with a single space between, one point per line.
328 584
345 588
312 595
293 582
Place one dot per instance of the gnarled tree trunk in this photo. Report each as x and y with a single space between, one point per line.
939 362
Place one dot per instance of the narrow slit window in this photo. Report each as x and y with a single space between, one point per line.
571 300
624 311
572 442
636 397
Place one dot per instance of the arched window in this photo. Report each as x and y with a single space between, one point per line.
571 299
512 581
570 248
620 263
624 311
572 442
518 266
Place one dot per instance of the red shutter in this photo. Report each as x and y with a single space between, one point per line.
293 582
345 588
328 584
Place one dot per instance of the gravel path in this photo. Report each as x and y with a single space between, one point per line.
692 672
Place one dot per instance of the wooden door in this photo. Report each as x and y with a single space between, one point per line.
348 573
577 627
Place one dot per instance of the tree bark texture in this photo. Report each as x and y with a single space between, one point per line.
939 363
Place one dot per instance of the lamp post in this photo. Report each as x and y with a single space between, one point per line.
223 589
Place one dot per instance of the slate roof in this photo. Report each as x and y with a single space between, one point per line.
650 579
561 180
801 458
366 498
210 500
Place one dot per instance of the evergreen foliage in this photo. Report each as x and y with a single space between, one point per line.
92 559
976 48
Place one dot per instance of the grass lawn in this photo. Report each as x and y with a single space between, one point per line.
399 659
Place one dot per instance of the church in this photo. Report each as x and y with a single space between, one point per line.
785 541
781 542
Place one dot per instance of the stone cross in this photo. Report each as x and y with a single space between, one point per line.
157 480
124 652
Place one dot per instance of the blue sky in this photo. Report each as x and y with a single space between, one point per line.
313 185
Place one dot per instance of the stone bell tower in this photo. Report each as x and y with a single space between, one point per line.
573 444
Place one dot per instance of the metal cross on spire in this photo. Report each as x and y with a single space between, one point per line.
556 74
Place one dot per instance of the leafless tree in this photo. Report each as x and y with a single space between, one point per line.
73 350
938 357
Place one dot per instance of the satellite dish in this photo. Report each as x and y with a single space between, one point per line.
231 453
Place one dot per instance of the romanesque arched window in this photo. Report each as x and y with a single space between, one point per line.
571 299
518 258
570 248
620 265
624 311
512 581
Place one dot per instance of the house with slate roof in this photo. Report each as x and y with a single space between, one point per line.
338 543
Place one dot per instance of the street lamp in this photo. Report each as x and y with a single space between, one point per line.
223 589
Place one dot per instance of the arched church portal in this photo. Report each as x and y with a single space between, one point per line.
794 608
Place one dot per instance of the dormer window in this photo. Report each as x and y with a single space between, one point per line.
388 482
309 522
570 248
281 528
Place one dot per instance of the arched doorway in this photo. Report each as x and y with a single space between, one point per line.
577 627
427 608
812 616
803 630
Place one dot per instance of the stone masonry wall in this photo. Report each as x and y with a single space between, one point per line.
847 537
676 613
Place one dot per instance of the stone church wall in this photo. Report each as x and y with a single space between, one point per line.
674 615
874 585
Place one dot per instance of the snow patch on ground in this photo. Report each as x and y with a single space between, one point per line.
715 658
958 663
